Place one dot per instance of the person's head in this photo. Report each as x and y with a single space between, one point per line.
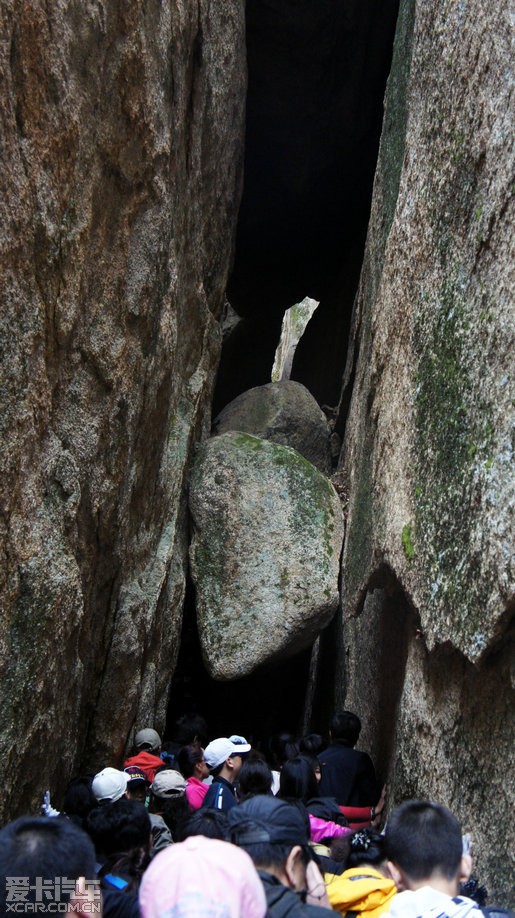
345 727
202 876
148 740
109 785
366 847
225 758
166 784
283 746
119 827
137 785
190 728
79 799
255 778
276 837
311 744
176 813
191 762
208 822
121 833
423 845
298 780
46 848
314 763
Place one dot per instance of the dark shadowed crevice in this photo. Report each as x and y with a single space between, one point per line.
316 81
268 701
369 652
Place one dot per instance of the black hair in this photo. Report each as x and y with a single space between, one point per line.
208 822
187 757
138 791
47 848
313 761
119 827
345 726
366 847
282 746
424 838
264 854
121 835
214 772
79 799
312 744
176 813
190 727
254 778
157 803
298 780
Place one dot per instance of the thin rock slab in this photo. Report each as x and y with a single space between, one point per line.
284 412
267 538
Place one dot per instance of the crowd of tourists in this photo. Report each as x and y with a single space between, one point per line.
214 827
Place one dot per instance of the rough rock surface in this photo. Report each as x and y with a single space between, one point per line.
122 129
428 446
284 412
267 536
293 327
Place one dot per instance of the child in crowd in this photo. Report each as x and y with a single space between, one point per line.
365 887
424 847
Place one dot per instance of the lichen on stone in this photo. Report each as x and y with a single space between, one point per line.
265 551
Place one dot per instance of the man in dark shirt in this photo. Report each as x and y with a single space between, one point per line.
347 774
224 759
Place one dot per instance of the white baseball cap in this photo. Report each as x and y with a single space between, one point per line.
220 750
110 784
240 740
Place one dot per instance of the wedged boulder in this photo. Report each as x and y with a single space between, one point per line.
267 537
283 412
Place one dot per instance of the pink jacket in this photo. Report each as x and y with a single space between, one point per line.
196 790
322 828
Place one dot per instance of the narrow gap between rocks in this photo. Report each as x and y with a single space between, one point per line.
316 80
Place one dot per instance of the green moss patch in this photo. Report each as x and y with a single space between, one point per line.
407 541
454 442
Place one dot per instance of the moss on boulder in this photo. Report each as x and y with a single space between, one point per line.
267 536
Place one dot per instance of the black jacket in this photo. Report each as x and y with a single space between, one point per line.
283 902
348 775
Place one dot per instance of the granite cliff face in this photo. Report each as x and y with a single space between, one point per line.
122 148
427 576
122 133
